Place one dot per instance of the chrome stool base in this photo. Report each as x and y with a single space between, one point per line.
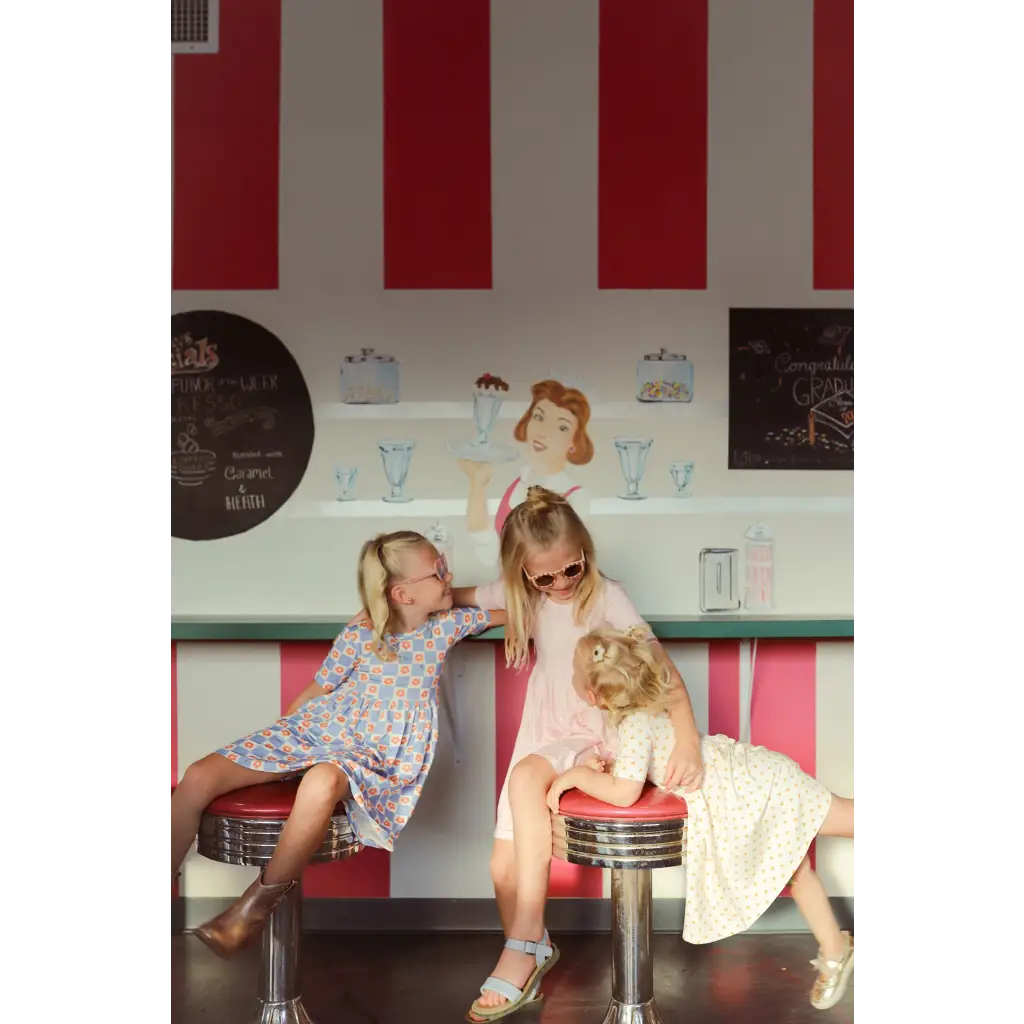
292 1012
633 1013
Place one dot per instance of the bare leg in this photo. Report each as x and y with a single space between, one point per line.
839 820
812 901
204 781
319 791
528 787
503 875
808 892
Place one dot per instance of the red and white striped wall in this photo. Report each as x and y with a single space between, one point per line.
462 144
796 697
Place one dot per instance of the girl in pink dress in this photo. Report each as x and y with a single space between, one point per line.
553 595
554 433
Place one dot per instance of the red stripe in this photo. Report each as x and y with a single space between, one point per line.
509 698
437 144
174 714
783 715
724 688
369 872
226 147
652 144
833 144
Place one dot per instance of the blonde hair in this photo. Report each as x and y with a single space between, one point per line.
543 519
570 399
381 564
623 673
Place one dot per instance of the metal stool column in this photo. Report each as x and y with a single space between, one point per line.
632 962
243 828
280 996
631 841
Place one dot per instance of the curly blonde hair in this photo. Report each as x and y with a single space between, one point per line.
623 673
543 519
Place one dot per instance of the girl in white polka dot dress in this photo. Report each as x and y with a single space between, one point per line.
750 824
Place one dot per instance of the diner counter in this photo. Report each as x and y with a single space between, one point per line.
666 627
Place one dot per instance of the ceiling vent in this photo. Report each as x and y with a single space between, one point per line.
194 25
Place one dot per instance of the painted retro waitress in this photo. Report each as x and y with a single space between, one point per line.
554 432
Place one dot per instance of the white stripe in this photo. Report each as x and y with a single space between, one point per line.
332 173
225 690
760 144
692 662
445 850
544 147
834 757
747 654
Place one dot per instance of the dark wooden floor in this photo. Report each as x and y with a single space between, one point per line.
424 979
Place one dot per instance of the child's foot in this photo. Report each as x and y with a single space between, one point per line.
833 976
513 967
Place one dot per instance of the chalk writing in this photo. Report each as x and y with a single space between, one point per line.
791 386
232 379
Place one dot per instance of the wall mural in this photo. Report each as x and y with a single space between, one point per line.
241 425
719 572
552 438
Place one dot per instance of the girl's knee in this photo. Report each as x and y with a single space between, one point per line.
532 775
204 779
802 873
326 782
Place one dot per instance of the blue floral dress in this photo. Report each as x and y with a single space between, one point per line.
377 722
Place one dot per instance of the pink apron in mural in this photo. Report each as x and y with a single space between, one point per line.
505 506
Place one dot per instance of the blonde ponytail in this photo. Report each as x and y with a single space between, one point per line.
380 563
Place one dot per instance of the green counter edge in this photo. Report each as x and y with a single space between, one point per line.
705 627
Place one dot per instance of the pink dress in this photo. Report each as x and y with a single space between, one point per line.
556 724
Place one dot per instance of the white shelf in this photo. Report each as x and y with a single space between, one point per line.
438 508
513 410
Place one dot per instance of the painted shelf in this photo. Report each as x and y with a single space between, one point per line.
666 627
436 508
513 410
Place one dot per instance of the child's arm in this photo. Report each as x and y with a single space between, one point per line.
623 786
685 764
617 791
463 597
491 596
337 667
311 692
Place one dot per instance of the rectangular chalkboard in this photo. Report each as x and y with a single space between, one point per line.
790 389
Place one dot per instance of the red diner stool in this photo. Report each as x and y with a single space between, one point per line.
632 841
243 828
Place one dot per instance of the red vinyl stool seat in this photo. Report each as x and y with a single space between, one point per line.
243 827
632 841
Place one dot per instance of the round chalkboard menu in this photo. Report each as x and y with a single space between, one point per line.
241 425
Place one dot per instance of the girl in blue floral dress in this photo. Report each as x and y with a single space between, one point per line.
364 731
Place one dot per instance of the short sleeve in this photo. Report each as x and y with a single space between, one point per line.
635 747
462 622
618 611
338 664
491 595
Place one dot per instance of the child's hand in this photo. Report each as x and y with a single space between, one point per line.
558 787
594 763
685 766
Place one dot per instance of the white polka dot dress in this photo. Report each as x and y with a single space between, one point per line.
748 828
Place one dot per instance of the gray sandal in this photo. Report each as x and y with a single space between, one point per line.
546 955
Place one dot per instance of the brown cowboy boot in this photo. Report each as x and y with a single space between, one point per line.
239 925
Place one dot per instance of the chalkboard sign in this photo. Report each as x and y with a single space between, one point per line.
241 425
791 389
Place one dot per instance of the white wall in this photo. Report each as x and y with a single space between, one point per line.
544 314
